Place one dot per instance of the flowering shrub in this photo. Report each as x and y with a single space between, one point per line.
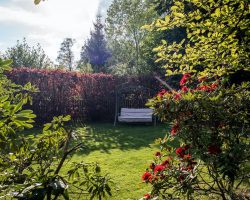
210 110
170 173
216 129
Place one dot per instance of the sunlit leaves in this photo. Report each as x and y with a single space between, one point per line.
214 40
37 1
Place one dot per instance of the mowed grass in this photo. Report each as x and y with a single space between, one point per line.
124 152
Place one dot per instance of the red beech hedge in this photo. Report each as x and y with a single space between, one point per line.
83 96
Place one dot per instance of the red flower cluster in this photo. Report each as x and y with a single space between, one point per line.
207 88
167 162
147 177
159 168
184 89
158 154
147 196
177 96
161 93
175 129
152 166
184 79
180 151
186 158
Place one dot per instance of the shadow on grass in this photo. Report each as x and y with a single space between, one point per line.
104 136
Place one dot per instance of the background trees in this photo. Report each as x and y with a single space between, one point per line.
95 50
23 55
65 55
125 35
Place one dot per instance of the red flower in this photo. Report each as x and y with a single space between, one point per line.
147 176
184 79
147 196
177 96
187 157
184 89
214 86
214 149
207 88
180 151
166 162
161 93
203 88
158 154
159 168
152 166
174 129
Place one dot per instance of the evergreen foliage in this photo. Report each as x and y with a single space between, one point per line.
95 49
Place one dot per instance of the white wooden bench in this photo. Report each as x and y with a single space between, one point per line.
136 115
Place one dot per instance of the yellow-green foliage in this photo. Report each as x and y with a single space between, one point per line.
217 37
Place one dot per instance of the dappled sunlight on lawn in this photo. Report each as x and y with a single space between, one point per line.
104 137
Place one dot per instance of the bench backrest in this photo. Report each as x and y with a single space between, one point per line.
136 112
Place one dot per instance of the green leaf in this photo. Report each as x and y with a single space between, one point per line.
37 1
180 15
66 118
66 195
4 98
174 8
217 12
17 107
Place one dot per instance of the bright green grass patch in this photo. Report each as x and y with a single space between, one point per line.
124 152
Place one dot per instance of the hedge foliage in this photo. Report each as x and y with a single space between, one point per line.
83 96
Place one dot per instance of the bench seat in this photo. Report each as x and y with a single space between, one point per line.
136 115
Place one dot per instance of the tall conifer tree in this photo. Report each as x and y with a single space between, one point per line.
95 49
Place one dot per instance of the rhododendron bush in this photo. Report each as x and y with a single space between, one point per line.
206 150
212 127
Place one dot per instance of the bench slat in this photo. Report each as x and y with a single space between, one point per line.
136 114
134 119
134 110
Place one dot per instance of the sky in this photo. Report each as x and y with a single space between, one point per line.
48 23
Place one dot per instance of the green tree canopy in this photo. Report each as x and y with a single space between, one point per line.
23 55
218 38
65 55
125 35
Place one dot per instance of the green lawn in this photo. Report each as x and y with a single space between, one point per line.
124 151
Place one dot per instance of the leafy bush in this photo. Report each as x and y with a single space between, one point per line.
31 165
